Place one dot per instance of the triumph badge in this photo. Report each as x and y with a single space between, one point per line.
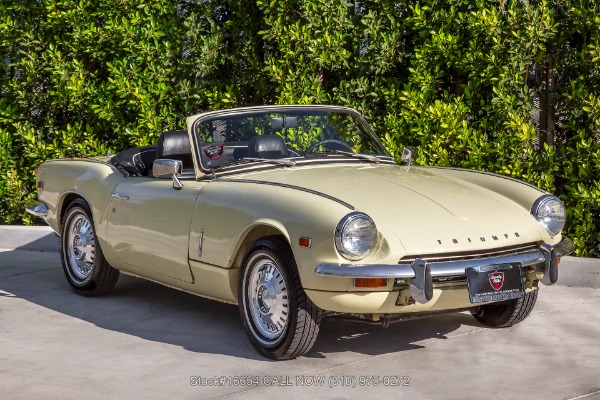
497 280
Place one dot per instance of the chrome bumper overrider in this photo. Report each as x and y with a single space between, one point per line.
38 211
421 273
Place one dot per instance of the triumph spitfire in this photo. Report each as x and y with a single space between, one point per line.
296 213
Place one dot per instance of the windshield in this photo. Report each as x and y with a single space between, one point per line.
289 135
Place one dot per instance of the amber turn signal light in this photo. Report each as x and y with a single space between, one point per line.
370 282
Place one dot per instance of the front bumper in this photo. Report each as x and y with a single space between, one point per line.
420 273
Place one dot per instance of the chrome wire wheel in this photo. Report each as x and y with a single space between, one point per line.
281 322
84 264
268 302
80 247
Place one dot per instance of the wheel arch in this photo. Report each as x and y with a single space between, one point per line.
256 230
65 200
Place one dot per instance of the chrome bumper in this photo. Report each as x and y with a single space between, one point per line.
38 211
421 273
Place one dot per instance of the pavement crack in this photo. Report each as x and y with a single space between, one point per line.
560 308
583 396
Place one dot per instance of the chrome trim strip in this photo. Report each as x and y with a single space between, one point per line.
486 173
460 256
119 196
259 167
200 242
285 185
38 211
403 271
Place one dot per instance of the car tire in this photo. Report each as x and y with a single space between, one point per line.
507 313
280 320
86 269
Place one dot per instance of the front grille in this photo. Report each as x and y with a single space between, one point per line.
433 258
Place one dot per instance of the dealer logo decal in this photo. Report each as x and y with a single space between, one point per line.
214 152
497 280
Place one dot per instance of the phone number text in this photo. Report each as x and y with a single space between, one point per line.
332 381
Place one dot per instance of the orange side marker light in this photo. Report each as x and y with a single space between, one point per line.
371 282
305 242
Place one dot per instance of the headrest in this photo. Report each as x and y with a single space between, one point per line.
267 146
173 145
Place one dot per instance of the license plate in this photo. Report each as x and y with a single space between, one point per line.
495 282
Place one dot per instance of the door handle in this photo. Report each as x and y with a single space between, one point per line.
120 196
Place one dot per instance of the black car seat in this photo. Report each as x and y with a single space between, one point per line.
175 145
267 146
136 161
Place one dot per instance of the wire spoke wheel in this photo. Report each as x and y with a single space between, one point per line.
86 269
81 247
280 320
268 300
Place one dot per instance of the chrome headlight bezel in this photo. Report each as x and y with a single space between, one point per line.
552 222
347 223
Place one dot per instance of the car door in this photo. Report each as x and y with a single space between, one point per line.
149 225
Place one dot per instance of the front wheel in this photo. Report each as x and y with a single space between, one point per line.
507 313
279 319
86 269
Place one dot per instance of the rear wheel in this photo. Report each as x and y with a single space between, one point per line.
85 267
279 319
507 313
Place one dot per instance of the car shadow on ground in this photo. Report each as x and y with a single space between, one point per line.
154 312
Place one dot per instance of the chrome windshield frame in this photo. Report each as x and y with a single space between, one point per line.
246 111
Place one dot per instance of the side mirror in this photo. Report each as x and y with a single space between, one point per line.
407 155
164 168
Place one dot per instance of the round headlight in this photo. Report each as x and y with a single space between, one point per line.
355 236
550 213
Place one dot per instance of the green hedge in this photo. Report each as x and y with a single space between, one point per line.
511 87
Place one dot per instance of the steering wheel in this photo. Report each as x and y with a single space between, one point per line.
312 147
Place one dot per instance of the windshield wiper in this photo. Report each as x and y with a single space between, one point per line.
367 157
287 163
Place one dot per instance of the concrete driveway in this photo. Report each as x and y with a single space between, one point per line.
151 342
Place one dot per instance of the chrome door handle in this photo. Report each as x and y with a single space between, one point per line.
120 196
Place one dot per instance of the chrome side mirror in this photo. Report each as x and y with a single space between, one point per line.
164 168
407 156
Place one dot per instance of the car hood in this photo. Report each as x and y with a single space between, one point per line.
426 212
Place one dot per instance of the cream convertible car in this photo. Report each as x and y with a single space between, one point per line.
297 213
